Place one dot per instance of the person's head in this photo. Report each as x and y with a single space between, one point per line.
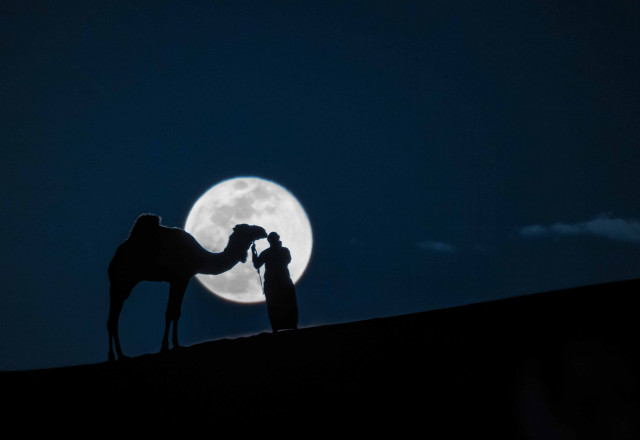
274 239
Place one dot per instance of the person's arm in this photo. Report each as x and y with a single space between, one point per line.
257 261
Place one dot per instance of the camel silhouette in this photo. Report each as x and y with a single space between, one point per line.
154 252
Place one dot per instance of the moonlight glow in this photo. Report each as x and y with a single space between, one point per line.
253 201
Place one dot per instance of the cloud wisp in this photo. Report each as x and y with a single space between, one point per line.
437 246
619 229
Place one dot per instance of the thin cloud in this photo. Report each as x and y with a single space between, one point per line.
619 229
533 231
437 246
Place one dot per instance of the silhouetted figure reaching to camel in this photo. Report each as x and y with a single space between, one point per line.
154 252
279 290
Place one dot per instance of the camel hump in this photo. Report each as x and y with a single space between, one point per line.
144 226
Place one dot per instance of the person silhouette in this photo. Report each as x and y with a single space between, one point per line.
279 290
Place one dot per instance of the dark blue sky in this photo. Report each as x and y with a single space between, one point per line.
445 153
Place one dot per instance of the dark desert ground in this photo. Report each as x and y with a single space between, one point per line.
553 365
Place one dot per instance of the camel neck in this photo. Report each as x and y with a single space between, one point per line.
215 264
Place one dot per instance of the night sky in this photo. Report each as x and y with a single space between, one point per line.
446 153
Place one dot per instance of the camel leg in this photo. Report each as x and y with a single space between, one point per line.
176 294
112 327
117 298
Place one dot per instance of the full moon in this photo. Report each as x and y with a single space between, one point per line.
253 201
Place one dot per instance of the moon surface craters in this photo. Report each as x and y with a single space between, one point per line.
252 201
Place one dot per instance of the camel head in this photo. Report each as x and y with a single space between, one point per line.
241 238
